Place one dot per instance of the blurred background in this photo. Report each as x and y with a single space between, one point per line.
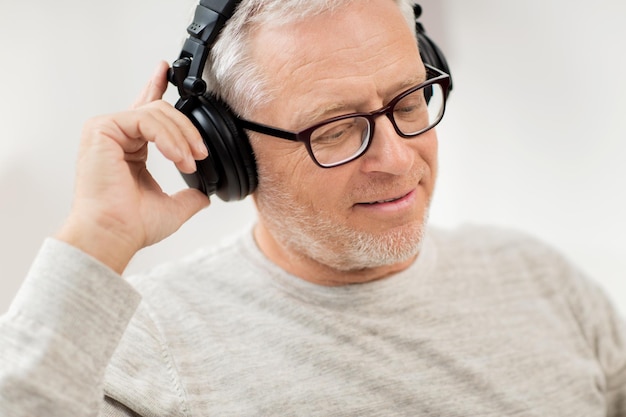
534 136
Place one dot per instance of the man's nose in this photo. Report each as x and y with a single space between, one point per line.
388 152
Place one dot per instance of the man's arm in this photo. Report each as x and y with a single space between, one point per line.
60 333
73 308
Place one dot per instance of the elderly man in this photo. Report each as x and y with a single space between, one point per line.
340 301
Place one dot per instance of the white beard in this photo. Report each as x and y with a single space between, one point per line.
330 243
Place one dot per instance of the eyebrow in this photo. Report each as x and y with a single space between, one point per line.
308 118
413 81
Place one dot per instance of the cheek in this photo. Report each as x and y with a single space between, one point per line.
276 157
429 152
283 167
287 172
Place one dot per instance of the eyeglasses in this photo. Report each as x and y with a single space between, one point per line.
342 139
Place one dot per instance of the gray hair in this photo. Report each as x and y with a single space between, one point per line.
230 72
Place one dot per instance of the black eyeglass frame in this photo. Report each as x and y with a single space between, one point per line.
434 76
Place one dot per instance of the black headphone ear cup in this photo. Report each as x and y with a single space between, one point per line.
236 143
230 169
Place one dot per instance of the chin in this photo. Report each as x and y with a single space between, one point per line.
342 248
368 251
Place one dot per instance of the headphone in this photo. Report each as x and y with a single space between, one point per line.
230 169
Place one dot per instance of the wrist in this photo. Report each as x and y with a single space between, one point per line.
101 242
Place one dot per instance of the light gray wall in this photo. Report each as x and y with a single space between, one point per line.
533 138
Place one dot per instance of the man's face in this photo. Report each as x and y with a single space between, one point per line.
359 221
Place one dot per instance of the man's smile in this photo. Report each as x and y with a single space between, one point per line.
400 202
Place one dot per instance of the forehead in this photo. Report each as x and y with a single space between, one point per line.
353 53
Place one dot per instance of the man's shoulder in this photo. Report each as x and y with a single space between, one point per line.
494 239
499 248
178 298
209 265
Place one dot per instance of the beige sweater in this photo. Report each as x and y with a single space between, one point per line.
484 323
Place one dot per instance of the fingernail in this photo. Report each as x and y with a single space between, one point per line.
190 164
201 150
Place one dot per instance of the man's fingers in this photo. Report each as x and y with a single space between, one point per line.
174 135
155 88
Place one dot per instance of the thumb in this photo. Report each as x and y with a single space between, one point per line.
189 202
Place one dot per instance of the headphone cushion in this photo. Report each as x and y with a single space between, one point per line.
236 142
230 169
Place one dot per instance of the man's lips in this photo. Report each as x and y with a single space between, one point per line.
382 201
385 201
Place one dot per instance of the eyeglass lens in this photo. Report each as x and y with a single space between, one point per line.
345 139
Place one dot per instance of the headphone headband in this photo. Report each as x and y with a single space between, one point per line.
224 7
209 18
211 15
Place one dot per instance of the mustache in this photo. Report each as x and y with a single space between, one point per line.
371 187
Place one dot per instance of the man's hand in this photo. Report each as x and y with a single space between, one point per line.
118 207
